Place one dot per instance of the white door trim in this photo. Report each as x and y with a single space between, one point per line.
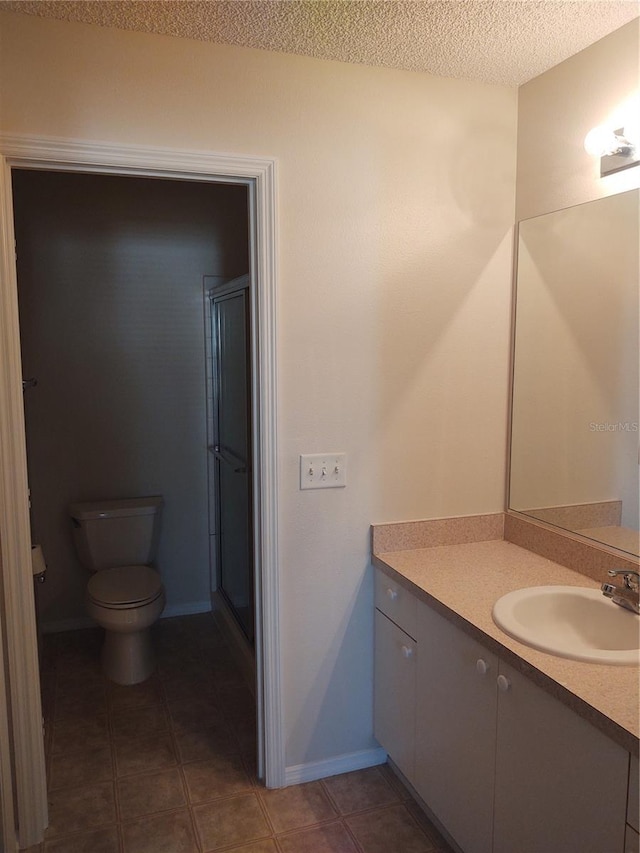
105 158
21 648
8 836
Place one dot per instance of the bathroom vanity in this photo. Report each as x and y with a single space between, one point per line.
509 748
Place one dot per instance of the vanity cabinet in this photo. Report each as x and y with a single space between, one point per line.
395 693
500 763
560 783
456 705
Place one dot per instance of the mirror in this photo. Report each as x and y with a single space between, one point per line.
574 434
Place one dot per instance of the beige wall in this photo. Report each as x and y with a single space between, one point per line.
396 202
556 110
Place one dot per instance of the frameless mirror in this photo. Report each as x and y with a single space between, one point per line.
574 431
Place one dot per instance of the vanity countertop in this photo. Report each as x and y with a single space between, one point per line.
463 581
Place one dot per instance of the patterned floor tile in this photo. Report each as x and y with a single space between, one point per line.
235 820
169 766
150 753
362 789
171 832
330 838
389 830
217 777
150 792
80 768
78 809
297 806
98 841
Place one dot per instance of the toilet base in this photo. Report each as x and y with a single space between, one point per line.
128 658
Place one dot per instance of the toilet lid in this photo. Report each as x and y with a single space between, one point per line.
124 585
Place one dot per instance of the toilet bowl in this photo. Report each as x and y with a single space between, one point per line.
116 541
126 601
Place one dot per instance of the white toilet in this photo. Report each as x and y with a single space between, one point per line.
116 541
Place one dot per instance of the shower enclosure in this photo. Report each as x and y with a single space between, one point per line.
229 437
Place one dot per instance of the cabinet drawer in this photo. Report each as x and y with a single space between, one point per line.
631 841
396 603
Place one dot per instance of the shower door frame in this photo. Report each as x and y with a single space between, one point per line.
222 292
260 177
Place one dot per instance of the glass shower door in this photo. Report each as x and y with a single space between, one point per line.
232 449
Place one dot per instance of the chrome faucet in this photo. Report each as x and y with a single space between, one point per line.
628 594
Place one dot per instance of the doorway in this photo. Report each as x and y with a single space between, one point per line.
110 273
259 175
112 335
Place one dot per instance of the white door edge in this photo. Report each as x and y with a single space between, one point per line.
8 837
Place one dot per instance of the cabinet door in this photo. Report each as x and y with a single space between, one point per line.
456 701
395 693
560 783
633 800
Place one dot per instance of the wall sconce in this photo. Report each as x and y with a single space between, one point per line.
615 150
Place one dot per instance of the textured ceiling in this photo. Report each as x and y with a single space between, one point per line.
497 42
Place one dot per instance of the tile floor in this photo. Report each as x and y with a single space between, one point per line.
168 766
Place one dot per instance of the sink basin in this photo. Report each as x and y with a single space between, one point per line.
571 622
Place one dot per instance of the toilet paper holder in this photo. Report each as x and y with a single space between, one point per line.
38 564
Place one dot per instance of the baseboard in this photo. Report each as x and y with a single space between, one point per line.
190 608
334 766
56 626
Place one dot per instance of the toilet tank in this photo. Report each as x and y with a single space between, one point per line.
116 533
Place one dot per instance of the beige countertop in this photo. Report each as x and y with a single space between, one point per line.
463 581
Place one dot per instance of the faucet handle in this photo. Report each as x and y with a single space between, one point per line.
630 578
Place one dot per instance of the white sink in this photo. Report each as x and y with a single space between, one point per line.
571 622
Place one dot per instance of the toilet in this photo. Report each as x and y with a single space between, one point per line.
116 540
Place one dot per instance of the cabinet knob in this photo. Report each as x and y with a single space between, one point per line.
392 593
407 652
503 683
482 667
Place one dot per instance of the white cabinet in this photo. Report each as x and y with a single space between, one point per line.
503 766
633 806
456 730
632 838
395 692
396 653
561 785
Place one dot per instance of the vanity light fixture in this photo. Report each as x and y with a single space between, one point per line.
615 150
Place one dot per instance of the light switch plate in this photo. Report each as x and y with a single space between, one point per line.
323 470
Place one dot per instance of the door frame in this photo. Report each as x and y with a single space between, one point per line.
260 176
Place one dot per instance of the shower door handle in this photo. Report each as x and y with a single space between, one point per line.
229 458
